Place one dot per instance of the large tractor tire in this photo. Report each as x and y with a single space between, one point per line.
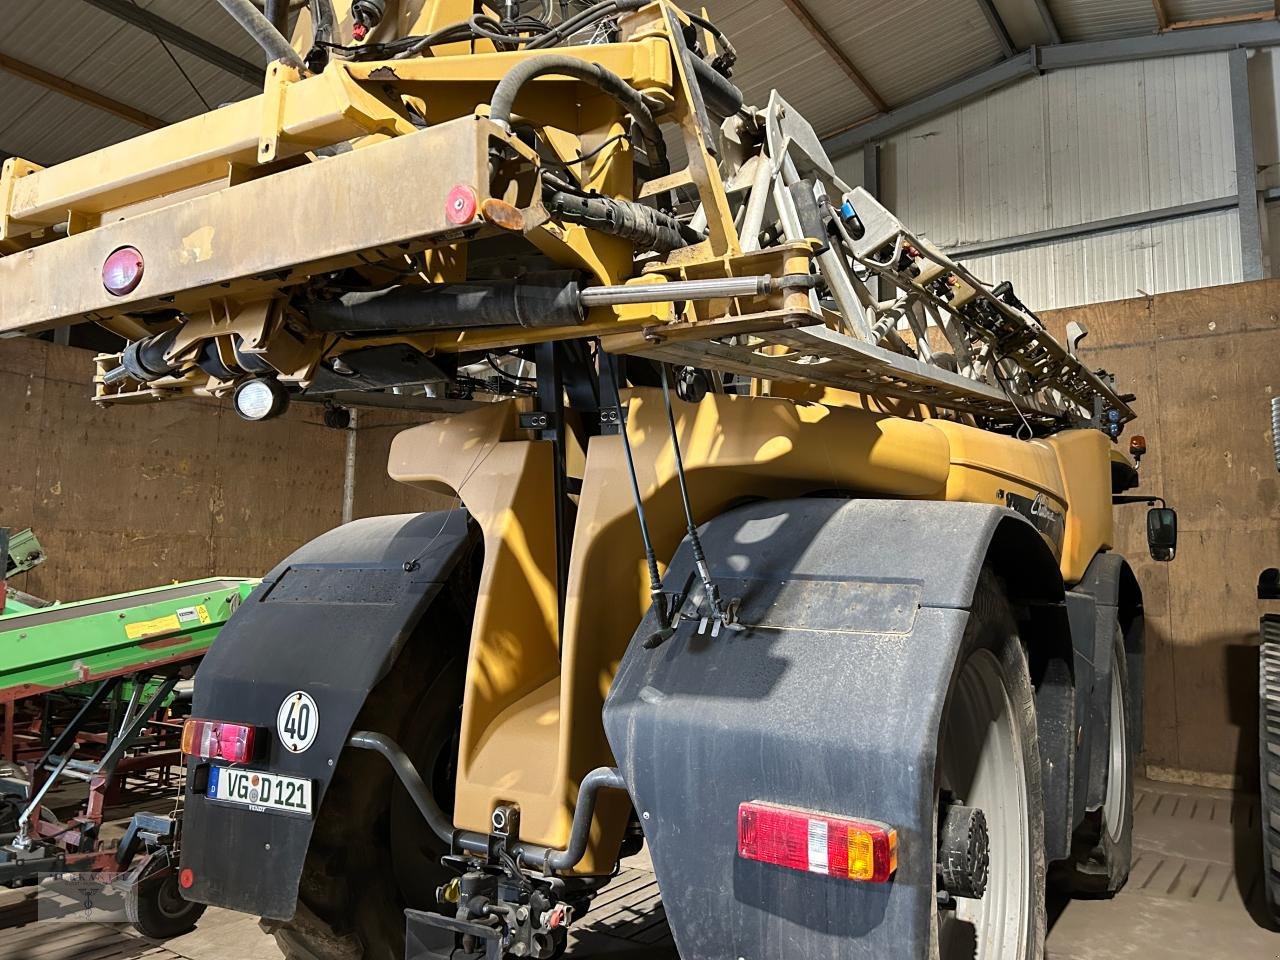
372 854
1269 761
1103 847
988 758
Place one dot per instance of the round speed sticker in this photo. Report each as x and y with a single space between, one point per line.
298 721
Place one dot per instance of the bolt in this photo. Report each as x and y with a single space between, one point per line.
266 846
645 815
331 761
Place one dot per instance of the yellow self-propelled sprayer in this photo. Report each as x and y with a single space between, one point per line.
836 630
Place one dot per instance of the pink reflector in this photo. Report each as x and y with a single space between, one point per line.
122 271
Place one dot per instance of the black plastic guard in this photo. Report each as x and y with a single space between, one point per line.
829 700
330 620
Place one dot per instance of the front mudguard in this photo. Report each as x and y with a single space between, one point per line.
330 620
830 699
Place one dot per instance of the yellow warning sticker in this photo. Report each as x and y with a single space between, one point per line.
151 628
185 617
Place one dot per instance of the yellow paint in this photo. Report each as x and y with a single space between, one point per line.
197 246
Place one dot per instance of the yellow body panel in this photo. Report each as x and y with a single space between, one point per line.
531 716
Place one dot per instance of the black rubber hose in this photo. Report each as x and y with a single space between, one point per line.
504 96
277 12
259 27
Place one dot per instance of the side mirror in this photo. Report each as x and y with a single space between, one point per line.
1162 533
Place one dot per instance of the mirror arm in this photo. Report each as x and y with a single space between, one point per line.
1119 499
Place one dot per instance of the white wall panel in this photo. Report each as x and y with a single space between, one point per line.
1070 148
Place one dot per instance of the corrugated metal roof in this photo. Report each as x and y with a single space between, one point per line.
886 42
1207 9
776 51
903 50
1099 19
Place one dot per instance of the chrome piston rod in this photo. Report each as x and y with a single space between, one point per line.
716 289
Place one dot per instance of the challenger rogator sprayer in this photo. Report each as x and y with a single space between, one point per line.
781 541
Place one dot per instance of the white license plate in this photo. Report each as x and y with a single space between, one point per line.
260 791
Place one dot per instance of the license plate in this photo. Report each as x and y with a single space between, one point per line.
260 791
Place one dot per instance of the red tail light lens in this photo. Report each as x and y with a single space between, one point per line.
817 842
122 271
213 740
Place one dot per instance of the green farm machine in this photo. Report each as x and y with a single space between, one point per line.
92 692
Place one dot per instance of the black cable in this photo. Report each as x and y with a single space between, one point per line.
695 542
506 375
657 599
185 76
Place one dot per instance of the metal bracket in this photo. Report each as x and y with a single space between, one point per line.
538 420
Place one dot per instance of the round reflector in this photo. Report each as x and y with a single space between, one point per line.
186 878
460 204
122 271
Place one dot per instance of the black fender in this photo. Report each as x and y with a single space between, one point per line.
1107 596
829 699
330 620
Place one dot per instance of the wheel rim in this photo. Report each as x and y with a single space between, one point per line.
169 900
982 764
1113 805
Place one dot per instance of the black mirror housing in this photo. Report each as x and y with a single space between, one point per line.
1162 533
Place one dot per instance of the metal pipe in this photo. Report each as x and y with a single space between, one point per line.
259 27
436 818
676 290
534 856
584 811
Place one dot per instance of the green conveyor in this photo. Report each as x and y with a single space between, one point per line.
67 644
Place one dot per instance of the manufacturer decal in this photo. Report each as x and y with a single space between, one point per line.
1044 516
298 721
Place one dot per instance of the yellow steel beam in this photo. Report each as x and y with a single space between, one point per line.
218 244
311 113
80 94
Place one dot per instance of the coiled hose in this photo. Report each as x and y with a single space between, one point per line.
1275 428
504 96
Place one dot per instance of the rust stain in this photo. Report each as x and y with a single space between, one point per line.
161 644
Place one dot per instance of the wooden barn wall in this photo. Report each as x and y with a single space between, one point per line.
1204 364
127 497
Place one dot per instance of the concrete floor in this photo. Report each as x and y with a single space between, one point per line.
1190 896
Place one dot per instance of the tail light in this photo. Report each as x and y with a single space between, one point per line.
817 842
214 740
122 271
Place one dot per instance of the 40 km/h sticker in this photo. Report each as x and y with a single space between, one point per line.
297 721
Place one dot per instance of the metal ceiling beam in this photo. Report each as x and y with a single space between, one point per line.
1039 60
1050 24
171 33
989 11
1253 253
82 94
1162 17
819 33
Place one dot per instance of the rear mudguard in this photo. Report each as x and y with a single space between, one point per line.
330 620
830 699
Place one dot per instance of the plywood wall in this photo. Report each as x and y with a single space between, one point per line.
1204 364
130 497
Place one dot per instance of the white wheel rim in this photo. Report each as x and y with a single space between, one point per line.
1113 805
982 764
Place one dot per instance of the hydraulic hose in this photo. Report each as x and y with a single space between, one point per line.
504 96
534 856
259 27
